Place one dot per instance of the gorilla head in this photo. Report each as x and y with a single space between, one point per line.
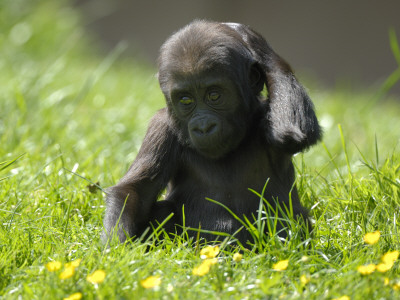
211 82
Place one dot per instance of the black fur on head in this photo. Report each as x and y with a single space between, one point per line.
205 46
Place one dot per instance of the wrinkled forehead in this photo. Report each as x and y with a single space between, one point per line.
198 56
202 66
199 59
201 71
200 78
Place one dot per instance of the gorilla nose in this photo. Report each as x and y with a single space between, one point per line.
205 127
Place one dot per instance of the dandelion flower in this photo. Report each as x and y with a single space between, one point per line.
304 279
388 260
67 273
396 286
97 276
281 265
342 298
75 263
372 237
209 252
237 257
202 269
210 261
53 266
151 282
382 267
386 281
390 257
366 270
75 296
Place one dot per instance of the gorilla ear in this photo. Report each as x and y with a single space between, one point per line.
257 78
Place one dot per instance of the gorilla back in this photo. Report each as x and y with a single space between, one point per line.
217 137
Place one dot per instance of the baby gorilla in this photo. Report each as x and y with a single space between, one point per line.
217 137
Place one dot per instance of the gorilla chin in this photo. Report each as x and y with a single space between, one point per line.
215 152
215 145
212 75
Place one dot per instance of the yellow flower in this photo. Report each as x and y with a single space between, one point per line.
388 260
201 270
342 298
386 281
75 263
304 279
67 273
366 270
204 267
372 237
210 261
384 267
390 257
97 276
53 266
281 265
209 252
151 282
396 286
237 257
75 296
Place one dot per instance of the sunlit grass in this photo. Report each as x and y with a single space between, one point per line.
72 118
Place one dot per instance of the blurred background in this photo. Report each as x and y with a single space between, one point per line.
335 43
78 76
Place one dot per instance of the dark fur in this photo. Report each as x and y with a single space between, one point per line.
252 139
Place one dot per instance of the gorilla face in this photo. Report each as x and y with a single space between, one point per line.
211 112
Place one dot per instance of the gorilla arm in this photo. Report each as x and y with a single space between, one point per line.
139 189
290 119
290 122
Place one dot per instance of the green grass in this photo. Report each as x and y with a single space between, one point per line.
71 116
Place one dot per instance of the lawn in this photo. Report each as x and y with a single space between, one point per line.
72 117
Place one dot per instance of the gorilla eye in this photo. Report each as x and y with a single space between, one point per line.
186 100
213 96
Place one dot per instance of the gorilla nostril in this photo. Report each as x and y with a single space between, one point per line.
211 128
205 129
198 131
